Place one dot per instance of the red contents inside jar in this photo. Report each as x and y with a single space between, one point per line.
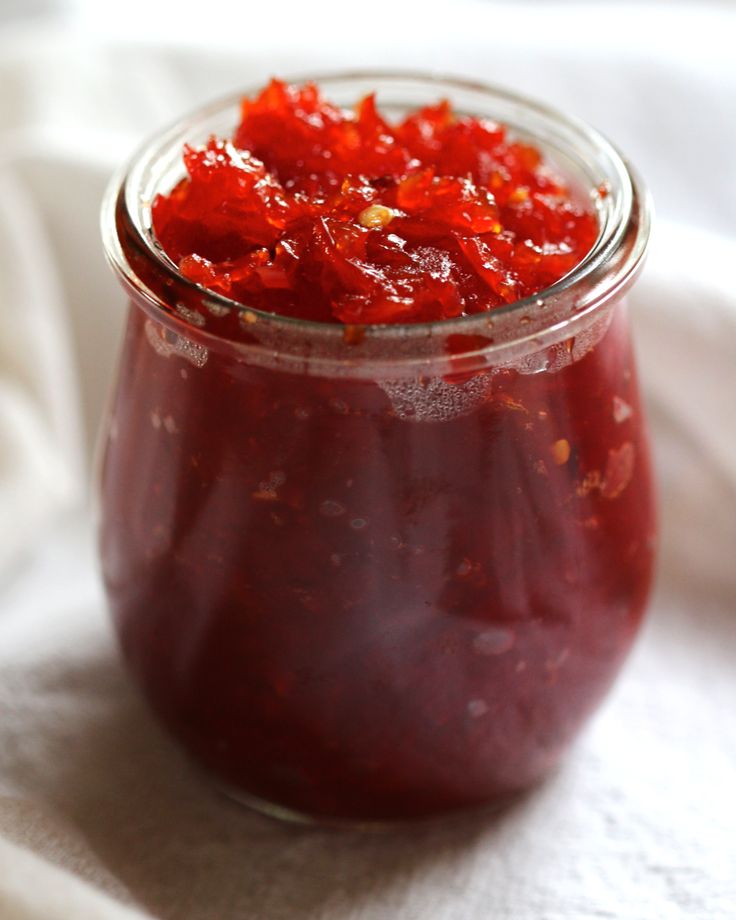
330 215
374 598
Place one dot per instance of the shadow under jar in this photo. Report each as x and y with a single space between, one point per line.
378 576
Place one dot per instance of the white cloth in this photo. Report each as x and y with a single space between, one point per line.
100 815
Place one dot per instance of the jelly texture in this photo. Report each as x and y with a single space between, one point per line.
321 213
369 601
383 596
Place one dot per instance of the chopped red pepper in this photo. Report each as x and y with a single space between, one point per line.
337 215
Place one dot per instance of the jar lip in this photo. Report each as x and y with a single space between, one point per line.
608 268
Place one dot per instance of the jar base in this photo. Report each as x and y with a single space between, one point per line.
291 816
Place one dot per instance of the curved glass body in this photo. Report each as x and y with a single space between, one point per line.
376 574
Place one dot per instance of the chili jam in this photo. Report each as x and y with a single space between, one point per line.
330 215
372 597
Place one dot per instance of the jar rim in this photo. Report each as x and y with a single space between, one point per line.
624 214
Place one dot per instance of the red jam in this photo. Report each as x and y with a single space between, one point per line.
329 215
373 598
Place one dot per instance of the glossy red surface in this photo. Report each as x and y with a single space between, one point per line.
317 212
362 614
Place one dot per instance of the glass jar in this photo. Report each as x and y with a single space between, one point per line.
383 572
